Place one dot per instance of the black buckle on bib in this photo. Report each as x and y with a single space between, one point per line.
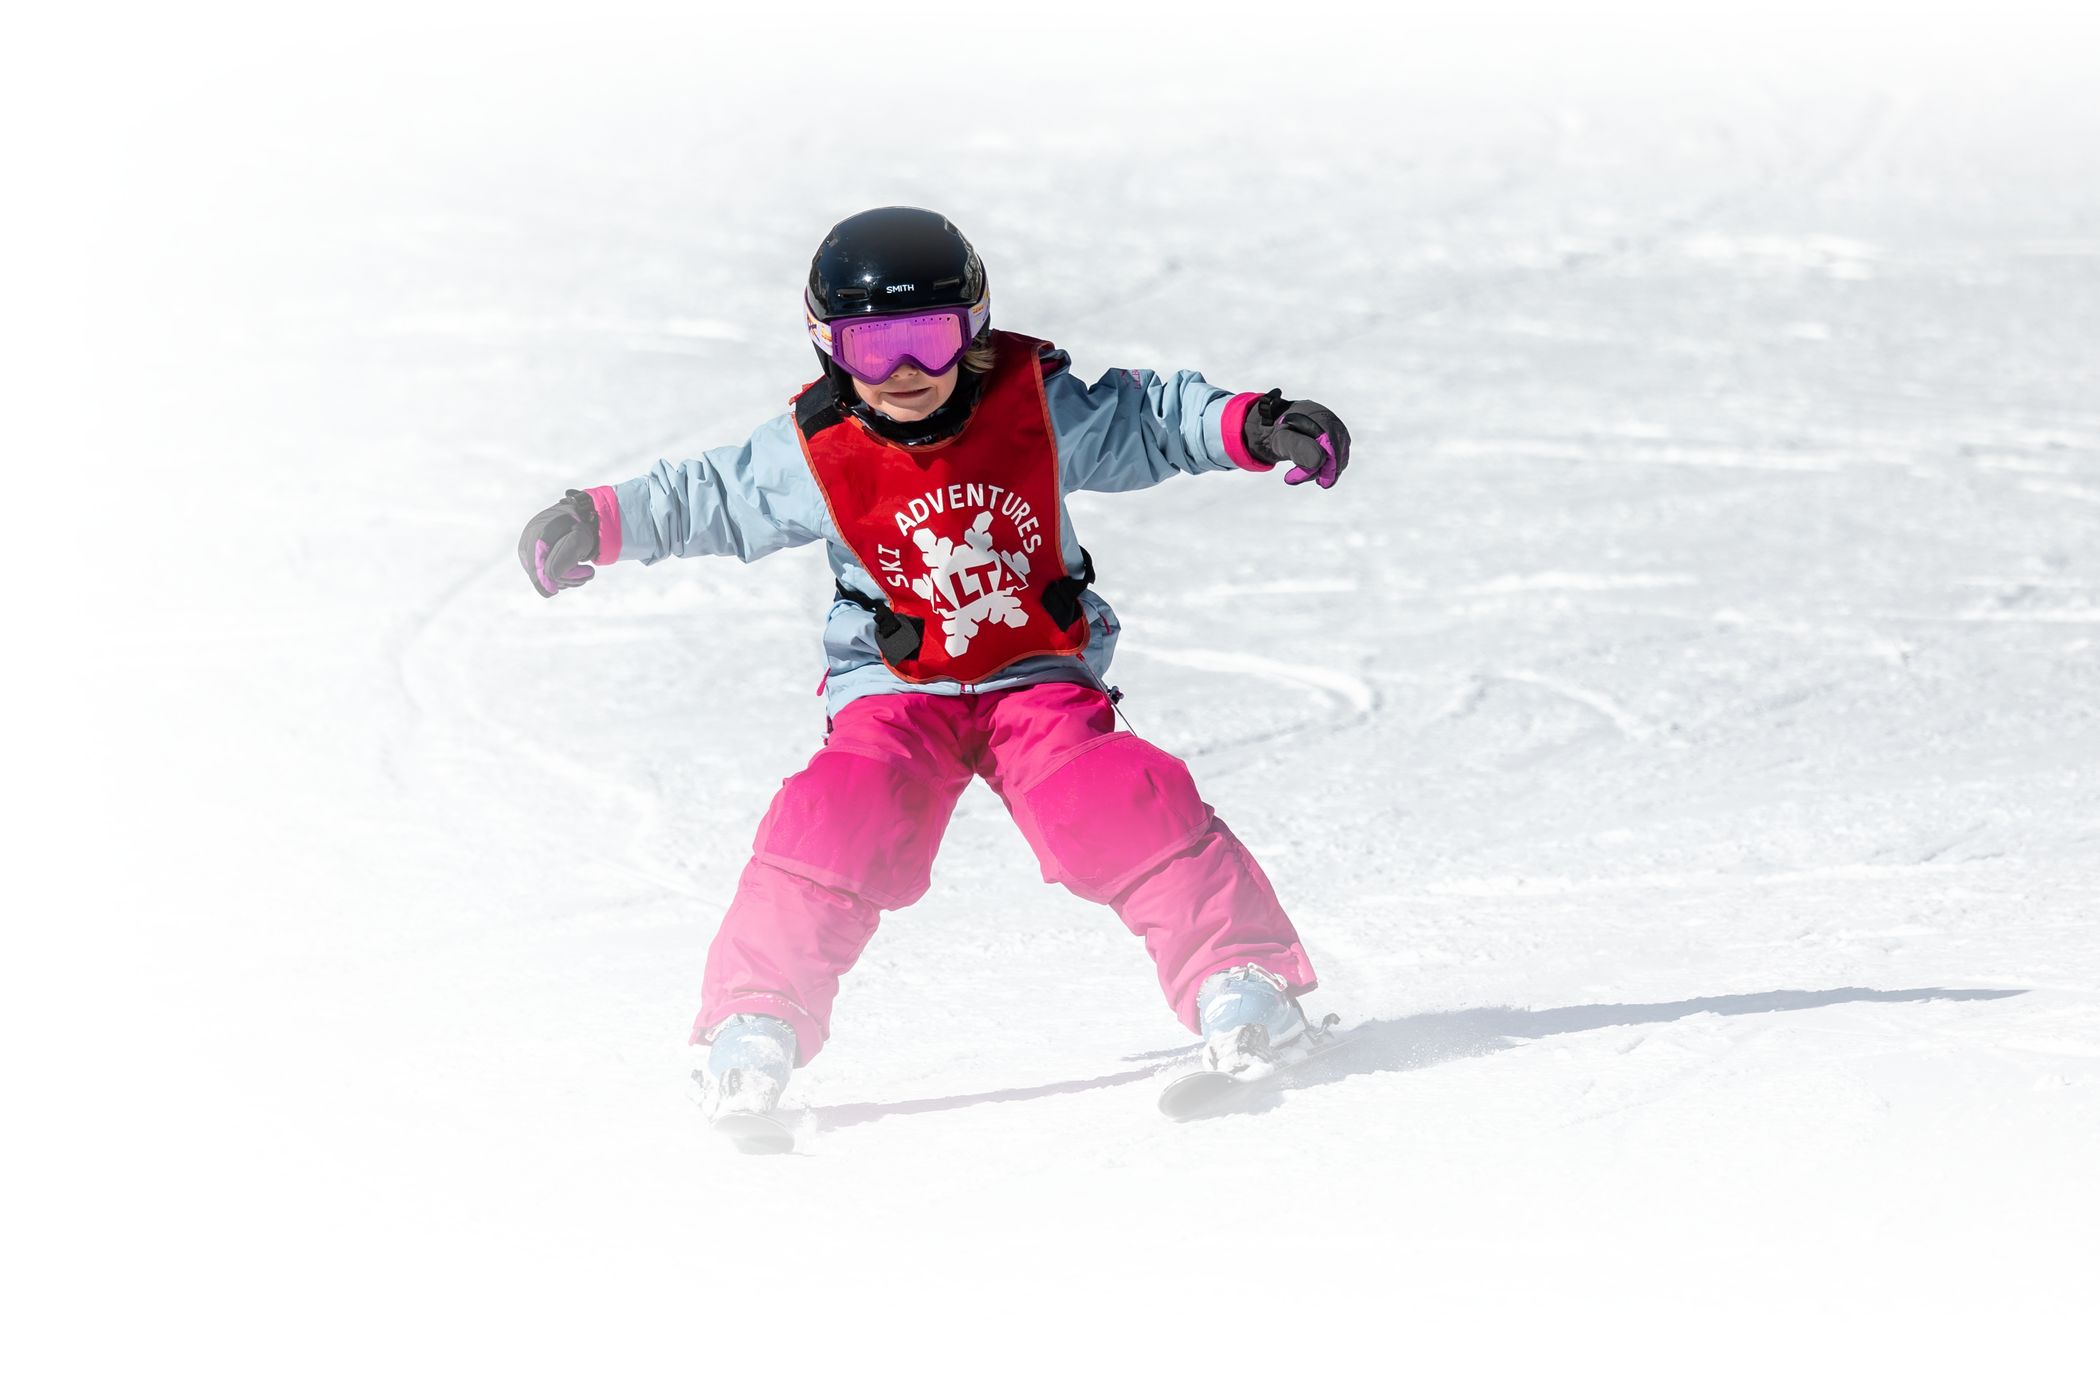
1061 596
897 638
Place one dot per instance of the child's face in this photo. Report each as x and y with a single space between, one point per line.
910 394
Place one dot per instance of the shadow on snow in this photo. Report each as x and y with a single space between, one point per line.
1431 1038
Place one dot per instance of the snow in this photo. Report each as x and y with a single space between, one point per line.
1677 738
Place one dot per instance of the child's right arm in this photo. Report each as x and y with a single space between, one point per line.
747 501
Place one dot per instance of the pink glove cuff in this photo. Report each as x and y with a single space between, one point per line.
607 502
1234 429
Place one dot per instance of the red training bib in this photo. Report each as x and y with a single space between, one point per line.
962 536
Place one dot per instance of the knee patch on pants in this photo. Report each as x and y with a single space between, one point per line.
864 825
1113 810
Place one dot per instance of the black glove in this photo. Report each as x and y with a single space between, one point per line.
556 543
1306 434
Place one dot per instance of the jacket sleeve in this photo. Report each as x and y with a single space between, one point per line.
1134 428
747 501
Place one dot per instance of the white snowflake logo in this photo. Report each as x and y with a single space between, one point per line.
972 584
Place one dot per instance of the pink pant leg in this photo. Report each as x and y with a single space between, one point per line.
1117 820
851 835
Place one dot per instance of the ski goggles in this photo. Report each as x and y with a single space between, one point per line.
872 348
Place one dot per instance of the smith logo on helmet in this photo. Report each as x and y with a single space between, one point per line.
903 287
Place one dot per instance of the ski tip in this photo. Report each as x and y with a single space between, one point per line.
755 1134
1201 1094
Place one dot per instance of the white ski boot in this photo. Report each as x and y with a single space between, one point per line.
1253 1030
1252 1025
748 1063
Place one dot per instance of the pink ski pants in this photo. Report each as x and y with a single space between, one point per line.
1112 818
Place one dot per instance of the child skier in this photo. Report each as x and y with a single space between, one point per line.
931 459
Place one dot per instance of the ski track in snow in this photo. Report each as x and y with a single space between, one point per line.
1346 700
441 656
1627 724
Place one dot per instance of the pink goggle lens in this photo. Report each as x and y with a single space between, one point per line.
871 350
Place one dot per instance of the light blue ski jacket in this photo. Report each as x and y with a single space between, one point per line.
1131 429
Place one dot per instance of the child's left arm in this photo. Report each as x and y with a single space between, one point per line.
1134 428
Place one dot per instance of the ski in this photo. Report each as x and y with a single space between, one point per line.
755 1133
1203 1093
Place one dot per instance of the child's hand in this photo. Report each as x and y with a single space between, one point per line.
1306 434
557 541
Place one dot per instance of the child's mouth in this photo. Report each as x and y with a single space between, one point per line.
911 398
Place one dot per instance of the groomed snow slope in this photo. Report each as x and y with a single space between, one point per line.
1676 739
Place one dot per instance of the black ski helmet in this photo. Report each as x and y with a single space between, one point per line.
892 259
